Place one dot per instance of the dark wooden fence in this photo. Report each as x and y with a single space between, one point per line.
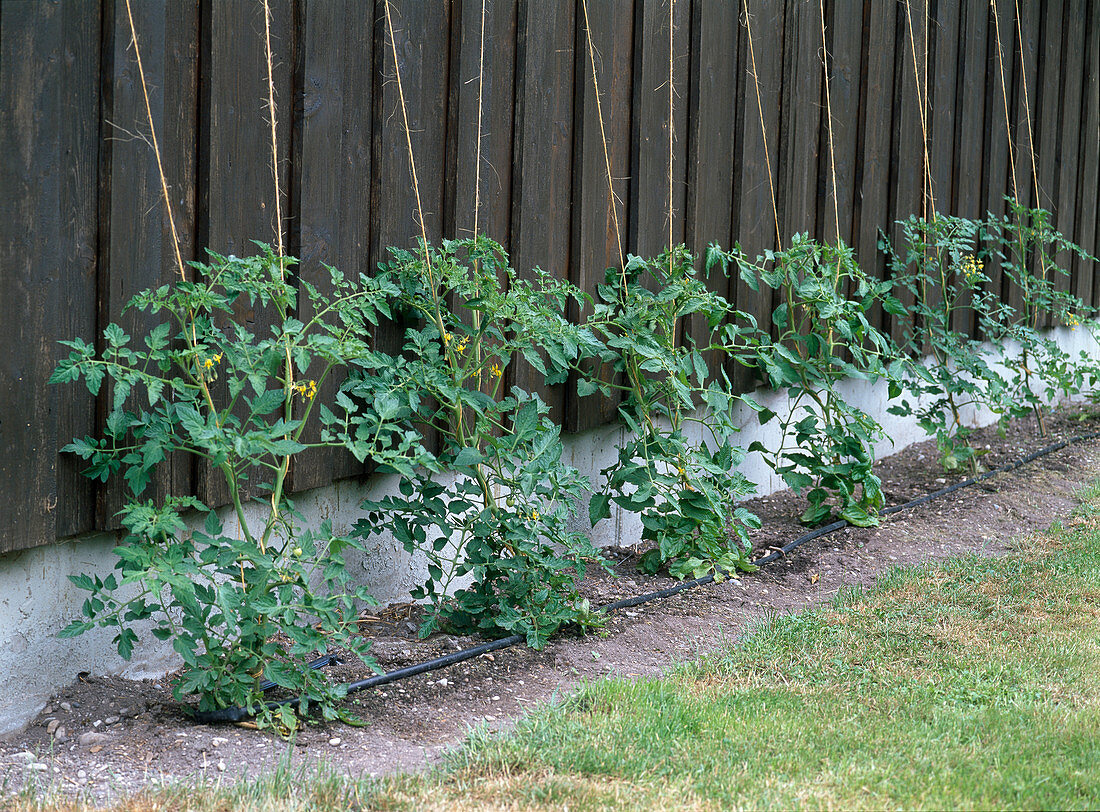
82 228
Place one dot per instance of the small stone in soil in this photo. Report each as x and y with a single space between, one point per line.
111 720
61 734
52 727
65 706
90 738
335 740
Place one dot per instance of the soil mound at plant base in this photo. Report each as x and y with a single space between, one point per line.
108 735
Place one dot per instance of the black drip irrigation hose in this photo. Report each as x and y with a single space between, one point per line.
320 662
239 714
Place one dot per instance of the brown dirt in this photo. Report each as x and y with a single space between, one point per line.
145 738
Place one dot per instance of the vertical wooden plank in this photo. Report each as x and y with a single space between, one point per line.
756 174
971 115
1085 231
138 252
873 201
799 164
999 72
76 313
31 73
712 138
595 246
543 159
1048 103
497 112
943 80
421 36
179 133
239 187
970 125
911 85
236 178
713 141
1025 33
1066 138
332 170
845 49
650 193
479 136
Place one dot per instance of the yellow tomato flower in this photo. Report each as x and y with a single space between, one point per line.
307 390
971 268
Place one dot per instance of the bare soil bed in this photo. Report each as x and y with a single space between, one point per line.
108 736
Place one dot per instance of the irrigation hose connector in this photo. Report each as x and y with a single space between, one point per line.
238 714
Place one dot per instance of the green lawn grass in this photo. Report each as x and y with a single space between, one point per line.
971 684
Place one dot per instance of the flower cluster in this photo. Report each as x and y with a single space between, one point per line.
307 390
459 347
972 268
209 363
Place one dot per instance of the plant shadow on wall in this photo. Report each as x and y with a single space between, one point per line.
482 490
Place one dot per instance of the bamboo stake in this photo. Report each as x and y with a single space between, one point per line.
829 127
480 90
671 124
280 249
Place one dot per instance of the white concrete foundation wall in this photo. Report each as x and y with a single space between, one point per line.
37 600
